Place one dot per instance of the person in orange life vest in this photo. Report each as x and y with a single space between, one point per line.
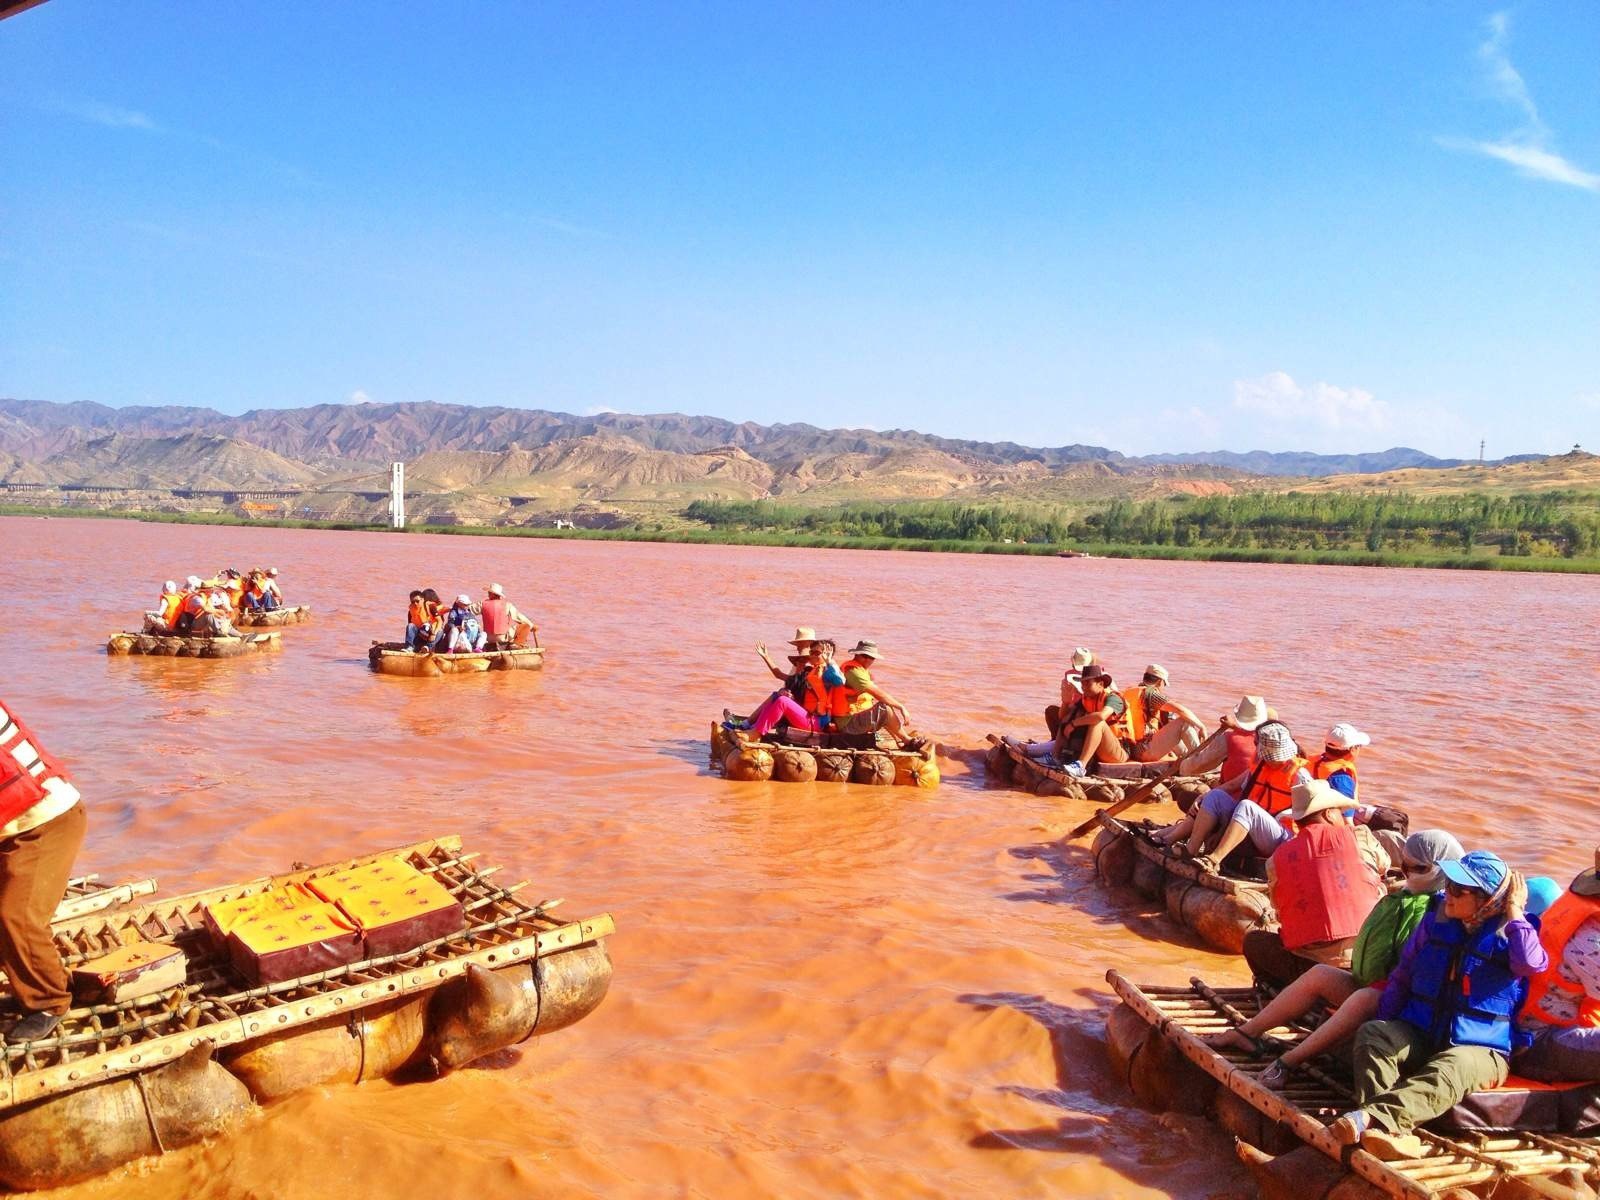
503 625
233 583
1071 688
1277 767
868 707
806 699
1562 1011
41 829
168 607
1323 881
1090 729
1337 762
1159 727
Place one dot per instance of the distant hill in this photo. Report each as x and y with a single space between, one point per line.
504 464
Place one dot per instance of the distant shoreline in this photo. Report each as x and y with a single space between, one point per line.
1328 558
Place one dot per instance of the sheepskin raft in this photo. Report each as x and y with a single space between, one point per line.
120 1080
295 614
882 766
172 646
1153 1037
1220 908
392 658
1010 764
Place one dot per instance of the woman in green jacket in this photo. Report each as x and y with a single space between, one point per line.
1353 994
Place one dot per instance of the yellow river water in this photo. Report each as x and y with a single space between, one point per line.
820 990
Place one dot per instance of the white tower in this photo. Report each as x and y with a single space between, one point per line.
397 495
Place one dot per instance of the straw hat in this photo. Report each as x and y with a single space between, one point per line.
1588 882
804 635
1248 714
496 590
1315 796
868 649
1082 656
1344 736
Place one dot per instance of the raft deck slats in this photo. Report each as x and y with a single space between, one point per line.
1317 1099
102 1042
1229 885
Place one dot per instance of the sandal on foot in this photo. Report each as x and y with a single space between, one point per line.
1204 862
1276 1076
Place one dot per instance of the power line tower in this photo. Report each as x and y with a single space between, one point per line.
1481 444
397 495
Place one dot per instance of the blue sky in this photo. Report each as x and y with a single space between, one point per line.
1154 227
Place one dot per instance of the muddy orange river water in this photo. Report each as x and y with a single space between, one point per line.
820 990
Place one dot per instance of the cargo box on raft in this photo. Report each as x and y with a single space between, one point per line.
392 658
880 764
117 1081
294 614
1220 908
170 645
1010 764
1519 1140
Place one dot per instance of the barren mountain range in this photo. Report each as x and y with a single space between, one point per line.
472 463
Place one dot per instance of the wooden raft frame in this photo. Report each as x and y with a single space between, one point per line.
102 1042
1104 789
466 662
1183 868
722 745
1180 1016
170 645
86 894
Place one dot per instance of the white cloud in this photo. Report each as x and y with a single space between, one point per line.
1530 148
1277 397
108 115
599 410
359 397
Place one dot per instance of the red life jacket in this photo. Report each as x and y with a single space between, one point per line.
496 616
1323 888
1556 927
24 768
1241 753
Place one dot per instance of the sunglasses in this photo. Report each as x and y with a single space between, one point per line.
1455 889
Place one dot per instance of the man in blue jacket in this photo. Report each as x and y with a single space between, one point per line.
1445 1025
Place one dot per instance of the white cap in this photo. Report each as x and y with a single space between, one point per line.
1347 737
272 570
193 581
496 590
169 586
463 599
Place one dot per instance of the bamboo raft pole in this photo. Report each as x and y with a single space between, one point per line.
102 1042
1179 1016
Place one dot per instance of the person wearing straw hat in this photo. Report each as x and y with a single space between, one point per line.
1071 688
1446 1021
1159 728
1324 881
1236 752
805 701
1562 1012
504 626
870 707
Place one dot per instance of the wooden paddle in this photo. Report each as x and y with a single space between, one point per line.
1145 788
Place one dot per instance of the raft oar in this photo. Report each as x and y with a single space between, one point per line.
1144 789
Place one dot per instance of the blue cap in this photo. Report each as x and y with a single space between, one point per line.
1477 869
1542 893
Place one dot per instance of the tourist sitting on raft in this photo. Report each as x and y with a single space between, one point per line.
1093 730
462 628
806 699
1351 993
202 612
261 591
868 707
504 626
424 619
1445 1024
1560 1020
1337 762
1246 807
1071 688
1324 881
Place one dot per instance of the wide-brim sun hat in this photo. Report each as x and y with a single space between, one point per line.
1249 714
1274 742
1479 869
1587 882
494 589
1345 736
804 635
1314 796
868 648
1082 656
1094 672
1158 671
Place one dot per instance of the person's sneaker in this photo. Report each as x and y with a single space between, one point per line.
1275 1076
1075 769
32 1027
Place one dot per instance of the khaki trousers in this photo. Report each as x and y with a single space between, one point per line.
34 869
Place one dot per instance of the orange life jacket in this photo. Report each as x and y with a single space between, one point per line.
1325 766
1139 721
25 768
1118 722
1269 784
1556 927
1323 889
417 613
236 594
171 606
197 603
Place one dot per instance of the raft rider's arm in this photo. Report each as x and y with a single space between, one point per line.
777 673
